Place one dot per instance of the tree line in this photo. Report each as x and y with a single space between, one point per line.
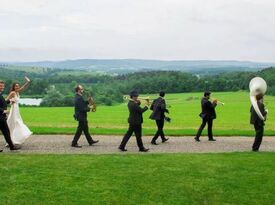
58 90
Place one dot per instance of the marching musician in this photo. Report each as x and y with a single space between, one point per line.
258 122
135 121
159 109
81 109
208 114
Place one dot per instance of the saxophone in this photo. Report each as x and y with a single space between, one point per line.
92 104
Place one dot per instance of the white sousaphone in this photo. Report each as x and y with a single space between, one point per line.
257 86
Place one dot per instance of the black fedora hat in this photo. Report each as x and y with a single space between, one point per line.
134 93
207 93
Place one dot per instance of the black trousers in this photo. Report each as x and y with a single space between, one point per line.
6 132
137 129
82 127
209 125
259 136
160 125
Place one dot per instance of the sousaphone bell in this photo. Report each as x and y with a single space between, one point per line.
257 86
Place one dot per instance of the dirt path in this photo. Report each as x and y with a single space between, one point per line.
60 144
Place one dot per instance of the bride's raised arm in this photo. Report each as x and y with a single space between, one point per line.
26 84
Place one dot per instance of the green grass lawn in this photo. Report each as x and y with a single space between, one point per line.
233 117
235 178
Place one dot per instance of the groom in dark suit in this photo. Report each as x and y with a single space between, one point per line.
3 118
81 109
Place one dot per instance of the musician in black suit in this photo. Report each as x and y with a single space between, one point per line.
3 118
81 109
135 121
258 122
208 114
159 109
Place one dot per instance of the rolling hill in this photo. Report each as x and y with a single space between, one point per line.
118 66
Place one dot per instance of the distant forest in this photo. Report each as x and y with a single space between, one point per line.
57 86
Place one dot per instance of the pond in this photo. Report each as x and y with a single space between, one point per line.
30 101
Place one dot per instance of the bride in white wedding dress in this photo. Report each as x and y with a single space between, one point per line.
18 130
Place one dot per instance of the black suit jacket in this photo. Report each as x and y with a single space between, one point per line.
81 108
159 108
254 118
3 106
135 113
208 109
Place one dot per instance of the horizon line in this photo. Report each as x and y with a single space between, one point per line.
143 59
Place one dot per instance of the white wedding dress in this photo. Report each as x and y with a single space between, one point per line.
18 130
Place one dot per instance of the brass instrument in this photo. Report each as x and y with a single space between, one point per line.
218 102
257 86
221 103
92 104
145 99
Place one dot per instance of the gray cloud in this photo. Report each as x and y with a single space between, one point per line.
158 29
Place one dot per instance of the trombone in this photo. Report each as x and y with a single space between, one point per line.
145 99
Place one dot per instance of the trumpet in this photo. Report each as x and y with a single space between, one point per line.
92 104
218 102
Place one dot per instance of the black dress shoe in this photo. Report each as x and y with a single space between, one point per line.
197 139
94 142
255 150
143 150
122 149
165 139
1 150
76 146
15 148
154 143
212 140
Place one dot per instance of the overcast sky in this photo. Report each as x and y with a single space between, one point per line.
33 30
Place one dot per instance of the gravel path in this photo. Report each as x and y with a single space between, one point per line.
60 144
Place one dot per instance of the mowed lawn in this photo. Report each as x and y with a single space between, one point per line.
233 117
236 178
